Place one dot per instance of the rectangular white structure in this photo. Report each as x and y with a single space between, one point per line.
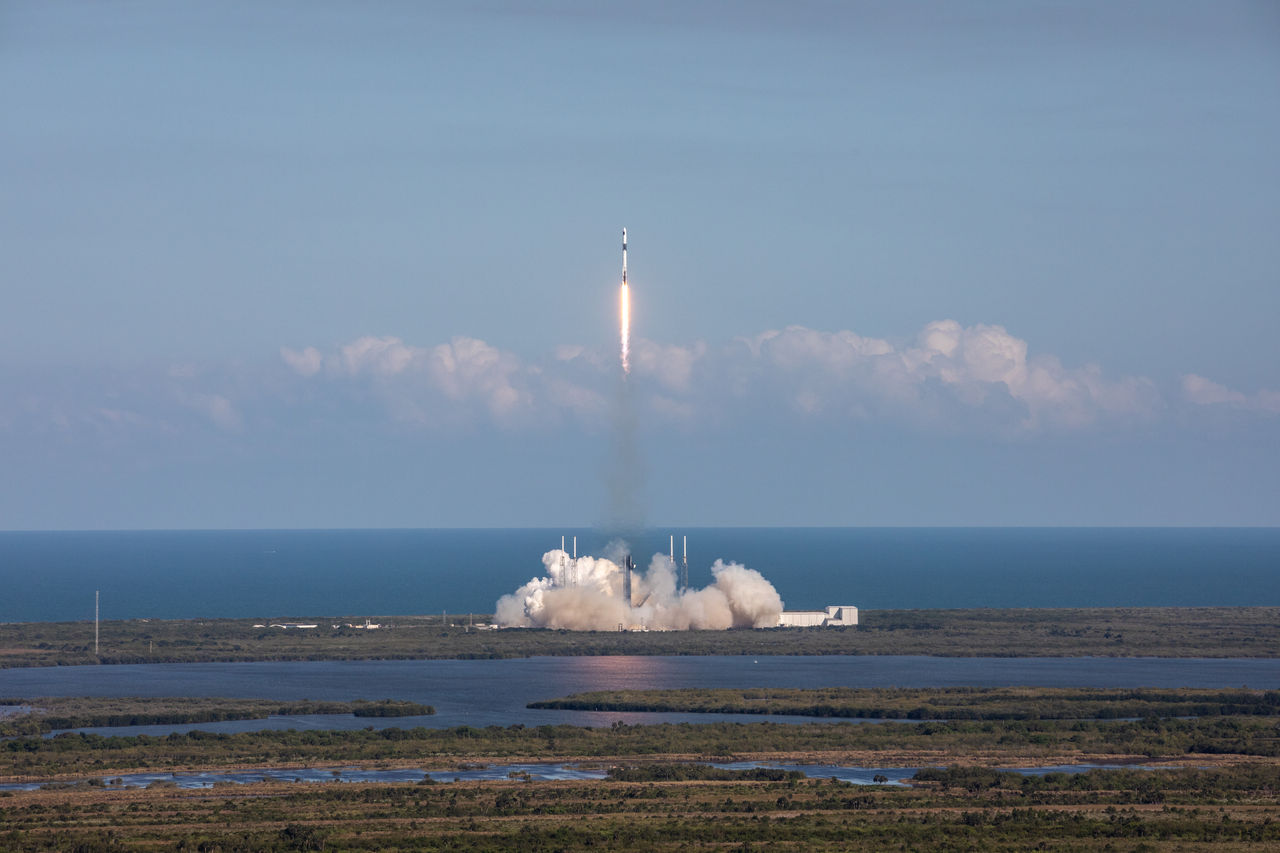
834 614
842 614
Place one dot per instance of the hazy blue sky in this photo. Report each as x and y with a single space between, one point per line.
339 264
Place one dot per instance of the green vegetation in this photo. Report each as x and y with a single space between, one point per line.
661 794
48 713
1146 786
687 772
1010 741
1228 809
1106 632
947 703
389 708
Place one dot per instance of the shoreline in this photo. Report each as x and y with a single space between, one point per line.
1112 632
845 758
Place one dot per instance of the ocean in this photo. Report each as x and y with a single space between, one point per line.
52 576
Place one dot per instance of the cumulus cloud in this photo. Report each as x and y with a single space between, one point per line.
670 365
307 362
983 357
945 371
217 408
944 377
970 367
1205 392
470 368
378 356
446 382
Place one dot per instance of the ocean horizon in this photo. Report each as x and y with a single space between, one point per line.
171 574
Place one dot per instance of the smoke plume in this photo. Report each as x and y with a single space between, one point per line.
624 470
586 595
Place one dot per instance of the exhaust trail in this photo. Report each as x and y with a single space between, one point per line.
624 311
624 471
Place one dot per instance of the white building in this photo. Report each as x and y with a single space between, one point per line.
835 614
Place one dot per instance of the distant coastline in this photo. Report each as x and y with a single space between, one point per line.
1177 632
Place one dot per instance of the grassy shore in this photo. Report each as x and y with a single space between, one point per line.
1108 632
48 713
1009 743
948 703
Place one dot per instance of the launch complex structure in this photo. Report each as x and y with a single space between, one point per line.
569 568
833 615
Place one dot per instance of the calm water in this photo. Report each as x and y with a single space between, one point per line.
854 775
179 574
495 692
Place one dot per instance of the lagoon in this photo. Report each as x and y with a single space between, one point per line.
495 692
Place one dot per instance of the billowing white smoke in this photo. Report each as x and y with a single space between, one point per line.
586 595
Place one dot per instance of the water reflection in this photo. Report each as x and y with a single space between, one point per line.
895 776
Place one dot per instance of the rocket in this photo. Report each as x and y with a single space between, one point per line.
627 568
624 312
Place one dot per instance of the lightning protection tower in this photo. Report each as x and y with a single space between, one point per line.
684 566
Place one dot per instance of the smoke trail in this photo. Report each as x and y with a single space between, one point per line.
624 472
624 469
586 595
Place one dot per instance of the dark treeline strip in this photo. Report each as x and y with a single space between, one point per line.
390 708
1227 809
1243 632
1143 785
948 742
49 713
948 703
688 772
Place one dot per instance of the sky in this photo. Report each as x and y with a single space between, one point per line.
333 264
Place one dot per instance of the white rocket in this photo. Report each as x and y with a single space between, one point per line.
624 256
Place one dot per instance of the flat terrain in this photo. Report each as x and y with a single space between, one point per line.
1163 734
1223 810
1215 632
946 703
1205 783
40 714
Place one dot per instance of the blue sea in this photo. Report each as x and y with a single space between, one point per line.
48 576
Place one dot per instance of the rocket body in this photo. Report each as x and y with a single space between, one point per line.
627 568
624 256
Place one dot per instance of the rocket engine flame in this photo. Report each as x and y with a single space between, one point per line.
585 594
624 311
624 317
